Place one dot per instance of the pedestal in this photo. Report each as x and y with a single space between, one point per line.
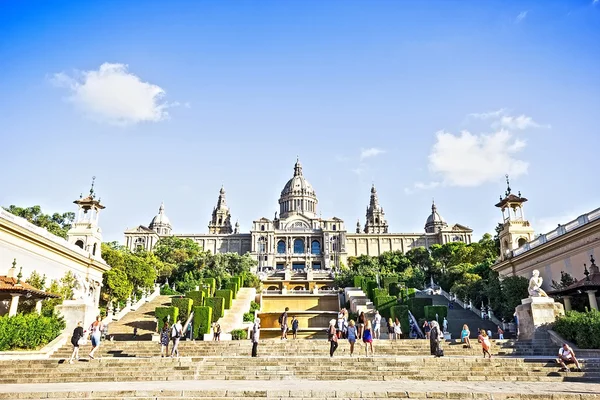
77 310
535 314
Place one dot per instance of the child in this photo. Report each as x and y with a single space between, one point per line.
484 339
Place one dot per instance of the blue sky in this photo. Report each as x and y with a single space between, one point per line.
167 100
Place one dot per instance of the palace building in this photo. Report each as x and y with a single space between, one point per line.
297 237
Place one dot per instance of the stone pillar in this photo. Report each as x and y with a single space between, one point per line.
535 314
567 301
38 306
14 304
591 297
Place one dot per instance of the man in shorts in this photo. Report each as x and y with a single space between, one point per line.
283 321
566 355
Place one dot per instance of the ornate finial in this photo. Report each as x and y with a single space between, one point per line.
81 195
519 193
507 185
14 263
433 206
92 194
586 272
19 276
593 268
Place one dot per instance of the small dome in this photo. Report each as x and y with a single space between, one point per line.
161 218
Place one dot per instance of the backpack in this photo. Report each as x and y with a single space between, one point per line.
281 319
175 332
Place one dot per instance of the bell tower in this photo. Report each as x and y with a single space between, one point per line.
221 217
516 230
376 222
85 232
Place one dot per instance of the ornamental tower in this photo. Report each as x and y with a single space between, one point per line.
435 223
160 223
376 222
85 232
221 217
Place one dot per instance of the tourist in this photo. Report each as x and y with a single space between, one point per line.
464 336
176 331
500 333
484 339
333 338
435 340
217 333
390 324
294 327
367 338
283 322
426 329
351 334
164 340
445 325
361 324
254 336
566 355
397 329
377 326
76 340
340 323
96 330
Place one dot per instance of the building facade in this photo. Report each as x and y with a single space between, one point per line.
297 237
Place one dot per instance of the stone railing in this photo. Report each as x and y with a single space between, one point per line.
116 315
470 307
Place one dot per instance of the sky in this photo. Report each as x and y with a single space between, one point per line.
169 100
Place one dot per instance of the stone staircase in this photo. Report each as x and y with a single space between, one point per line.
143 319
234 317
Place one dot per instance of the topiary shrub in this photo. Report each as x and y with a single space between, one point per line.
227 296
233 287
371 286
202 321
582 328
217 305
212 283
239 334
387 281
162 313
431 311
358 281
249 316
254 306
184 305
408 293
197 296
417 306
167 291
383 305
401 312
379 292
29 331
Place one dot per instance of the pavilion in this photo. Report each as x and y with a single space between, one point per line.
590 285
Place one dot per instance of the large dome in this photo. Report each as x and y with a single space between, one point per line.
298 196
161 218
435 222
298 185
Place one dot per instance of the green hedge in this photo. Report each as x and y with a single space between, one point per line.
384 303
408 294
161 314
401 312
213 285
417 305
233 287
184 305
239 280
239 334
206 292
386 281
377 292
227 296
217 305
202 321
358 281
29 331
430 311
197 296
371 286
582 328
254 306
249 316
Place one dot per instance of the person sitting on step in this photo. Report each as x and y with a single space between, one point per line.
566 355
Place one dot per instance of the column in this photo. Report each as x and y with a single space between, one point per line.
38 306
14 303
98 286
567 301
591 297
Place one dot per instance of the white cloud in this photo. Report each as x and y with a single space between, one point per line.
489 114
370 152
522 15
358 171
418 186
470 160
521 122
114 95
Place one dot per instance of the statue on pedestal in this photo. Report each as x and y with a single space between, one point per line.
535 285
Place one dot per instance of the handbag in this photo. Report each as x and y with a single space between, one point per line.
82 341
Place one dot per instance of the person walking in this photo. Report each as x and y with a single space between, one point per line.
294 327
435 340
283 322
426 329
361 324
217 333
397 329
484 339
500 333
352 334
176 331
368 338
76 340
96 330
165 339
333 337
377 326
390 328
255 336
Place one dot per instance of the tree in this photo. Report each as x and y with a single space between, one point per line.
117 284
57 224
177 251
514 289
36 280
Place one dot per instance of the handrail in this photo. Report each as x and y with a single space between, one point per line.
412 318
189 321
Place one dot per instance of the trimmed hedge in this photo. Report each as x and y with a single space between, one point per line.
358 281
239 334
29 331
239 281
184 305
227 296
217 305
213 285
431 311
197 296
233 287
371 286
206 292
417 306
383 305
161 314
407 294
254 306
401 312
379 292
386 281
202 321
583 328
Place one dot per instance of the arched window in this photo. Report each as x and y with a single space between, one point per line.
281 247
298 246
262 245
315 247
334 227
262 227
220 221
376 221
79 243
94 249
521 241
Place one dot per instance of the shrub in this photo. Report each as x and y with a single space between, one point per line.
239 334
184 305
167 291
431 311
417 306
206 292
162 313
29 331
407 294
202 321
387 281
213 285
401 312
379 292
216 303
251 280
227 296
582 328
254 306
358 281
233 287
371 286
249 316
384 303
197 296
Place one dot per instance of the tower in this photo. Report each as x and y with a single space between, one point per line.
435 223
376 222
85 232
160 223
516 230
221 217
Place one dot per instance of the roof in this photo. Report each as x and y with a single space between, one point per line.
590 282
9 285
140 229
511 198
161 218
